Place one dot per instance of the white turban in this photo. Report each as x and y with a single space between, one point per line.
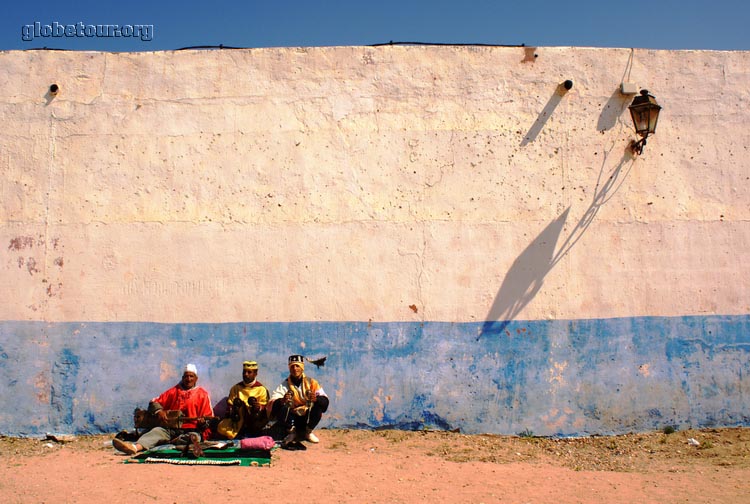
190 368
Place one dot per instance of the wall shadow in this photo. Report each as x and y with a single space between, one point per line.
546 113
524 278
617 102
612 111
526 275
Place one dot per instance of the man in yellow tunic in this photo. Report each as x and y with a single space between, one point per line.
247 402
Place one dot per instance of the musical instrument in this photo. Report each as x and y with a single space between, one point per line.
251 416
175 419
231 426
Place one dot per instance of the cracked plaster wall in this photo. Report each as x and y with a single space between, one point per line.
389 184
353 183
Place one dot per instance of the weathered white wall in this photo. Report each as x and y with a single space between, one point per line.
390 184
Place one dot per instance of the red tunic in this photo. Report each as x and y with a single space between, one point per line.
193 403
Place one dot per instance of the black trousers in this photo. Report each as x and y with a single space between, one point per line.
284 414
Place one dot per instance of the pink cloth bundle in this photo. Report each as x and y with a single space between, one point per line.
257 443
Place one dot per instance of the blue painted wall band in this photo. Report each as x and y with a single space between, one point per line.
567 378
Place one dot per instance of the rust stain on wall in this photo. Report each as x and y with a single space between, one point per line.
21 242
31 266
529 55
54 290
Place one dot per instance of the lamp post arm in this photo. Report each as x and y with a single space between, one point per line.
637 146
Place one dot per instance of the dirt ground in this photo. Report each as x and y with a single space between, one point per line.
399 467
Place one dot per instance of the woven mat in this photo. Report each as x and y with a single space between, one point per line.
225 456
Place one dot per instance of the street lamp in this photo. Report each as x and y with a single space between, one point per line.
645 113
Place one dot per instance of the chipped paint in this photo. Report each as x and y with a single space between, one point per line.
492 386
557 372
42 386
444 219
167 372
378 411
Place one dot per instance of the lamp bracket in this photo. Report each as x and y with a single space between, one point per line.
637 146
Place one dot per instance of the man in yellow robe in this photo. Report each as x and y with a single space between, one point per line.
247 402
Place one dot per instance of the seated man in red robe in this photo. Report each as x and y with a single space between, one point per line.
192 401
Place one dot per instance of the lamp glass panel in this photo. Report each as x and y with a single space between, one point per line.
653 117
641 119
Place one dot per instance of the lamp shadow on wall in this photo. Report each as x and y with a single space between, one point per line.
526 275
